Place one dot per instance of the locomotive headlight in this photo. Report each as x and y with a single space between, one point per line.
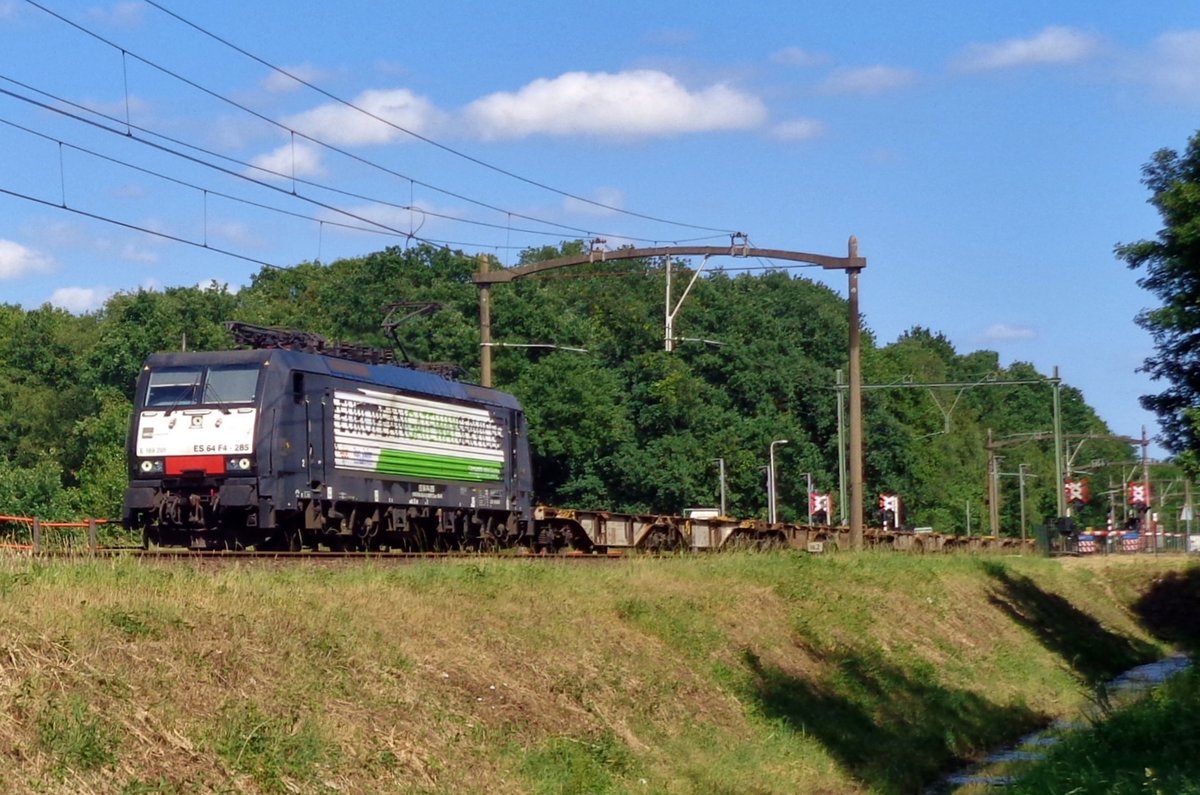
238 464
151 466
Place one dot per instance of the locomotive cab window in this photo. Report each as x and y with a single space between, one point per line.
230 385
175 386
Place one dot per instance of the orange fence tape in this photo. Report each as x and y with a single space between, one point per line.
29 520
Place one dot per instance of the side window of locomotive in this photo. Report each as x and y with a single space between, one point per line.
231 385
177 386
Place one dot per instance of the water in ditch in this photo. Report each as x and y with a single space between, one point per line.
1003 767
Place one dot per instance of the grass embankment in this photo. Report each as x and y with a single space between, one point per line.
1151 746
737 674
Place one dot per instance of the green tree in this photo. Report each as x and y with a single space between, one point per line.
624 426
102 475
134 325
33 490
1171 267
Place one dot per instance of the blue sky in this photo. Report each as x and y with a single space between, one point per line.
986 156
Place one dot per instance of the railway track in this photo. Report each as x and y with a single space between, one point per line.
319 557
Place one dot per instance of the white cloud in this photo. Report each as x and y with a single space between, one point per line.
80 299
340 124
640 103
1054 45
1003 332
1175 65
798 130
868 80
796 56
299 159
17 260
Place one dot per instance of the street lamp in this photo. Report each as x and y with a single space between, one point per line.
771 479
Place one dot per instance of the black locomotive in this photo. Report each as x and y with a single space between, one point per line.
279 449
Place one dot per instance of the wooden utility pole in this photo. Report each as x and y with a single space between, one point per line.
856 423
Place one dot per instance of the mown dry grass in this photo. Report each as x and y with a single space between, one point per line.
741 673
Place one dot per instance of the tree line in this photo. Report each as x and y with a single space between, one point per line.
618 424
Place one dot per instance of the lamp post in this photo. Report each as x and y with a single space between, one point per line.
721 470
771 478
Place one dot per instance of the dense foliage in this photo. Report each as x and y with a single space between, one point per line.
1171 264
625 425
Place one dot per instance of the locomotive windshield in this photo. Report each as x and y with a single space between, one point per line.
176 386
230 384
181 386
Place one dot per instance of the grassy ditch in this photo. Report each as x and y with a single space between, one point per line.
739 674
1153 745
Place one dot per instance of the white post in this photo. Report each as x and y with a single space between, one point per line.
721 466
771 478
668 330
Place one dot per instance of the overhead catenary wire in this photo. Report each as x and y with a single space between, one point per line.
167 177
384 229
426 139
261 205
190 158
207 191
126 53
136 228
126 133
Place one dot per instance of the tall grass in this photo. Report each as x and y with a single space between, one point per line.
742 673
1152 746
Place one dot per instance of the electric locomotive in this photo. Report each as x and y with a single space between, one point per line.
283 449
